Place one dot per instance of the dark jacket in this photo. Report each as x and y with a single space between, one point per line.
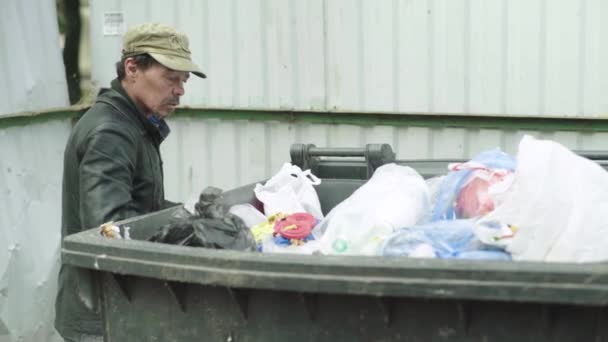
112 171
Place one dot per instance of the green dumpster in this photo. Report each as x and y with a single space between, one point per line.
157 292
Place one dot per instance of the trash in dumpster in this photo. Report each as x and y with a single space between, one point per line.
465 191
295 226
290 191
282 230
434 184
266 228
494 233
448 239
558 201
544 205
110 230
248 213
279 244
211 227
474 199
395 197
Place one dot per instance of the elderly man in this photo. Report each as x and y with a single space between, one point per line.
112 163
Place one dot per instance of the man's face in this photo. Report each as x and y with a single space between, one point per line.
157 89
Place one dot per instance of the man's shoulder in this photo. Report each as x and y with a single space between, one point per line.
103 117
102 110
99 115
108 109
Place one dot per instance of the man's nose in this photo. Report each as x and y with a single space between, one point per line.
179 90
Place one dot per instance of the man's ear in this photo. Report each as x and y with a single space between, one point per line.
130 68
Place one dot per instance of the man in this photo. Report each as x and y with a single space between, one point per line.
112 164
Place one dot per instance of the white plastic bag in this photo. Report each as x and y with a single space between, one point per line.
248 213
395 197
558 201
290 191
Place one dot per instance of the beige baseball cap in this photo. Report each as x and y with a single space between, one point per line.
165 44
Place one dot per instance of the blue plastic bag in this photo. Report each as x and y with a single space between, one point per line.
444 208
453 239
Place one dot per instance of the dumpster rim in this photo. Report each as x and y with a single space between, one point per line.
380 276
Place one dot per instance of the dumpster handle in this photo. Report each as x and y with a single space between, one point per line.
307 156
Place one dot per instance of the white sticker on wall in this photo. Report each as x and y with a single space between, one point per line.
113 23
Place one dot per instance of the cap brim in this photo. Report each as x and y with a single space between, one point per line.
178 63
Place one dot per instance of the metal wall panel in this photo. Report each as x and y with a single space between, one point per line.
33 77
227 153
489 57
257 54
30 228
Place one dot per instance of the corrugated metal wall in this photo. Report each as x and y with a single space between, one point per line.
30 219
227 153
505 57
33 77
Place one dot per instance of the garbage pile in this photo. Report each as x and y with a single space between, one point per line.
394 213
211 226
544 204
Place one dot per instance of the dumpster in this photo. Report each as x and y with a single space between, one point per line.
157 292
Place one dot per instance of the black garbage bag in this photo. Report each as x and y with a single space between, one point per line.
211 227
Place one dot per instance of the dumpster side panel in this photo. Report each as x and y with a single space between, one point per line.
157 310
